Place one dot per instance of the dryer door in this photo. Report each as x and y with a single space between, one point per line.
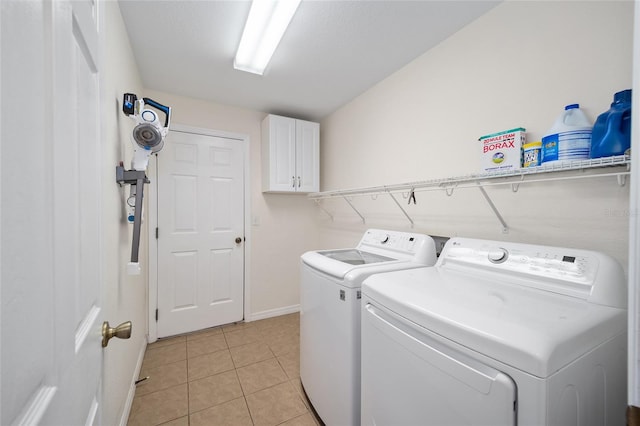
409 378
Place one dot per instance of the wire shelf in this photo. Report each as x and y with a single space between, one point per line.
618 166
487 179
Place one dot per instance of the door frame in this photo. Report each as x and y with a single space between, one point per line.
633 332
152 221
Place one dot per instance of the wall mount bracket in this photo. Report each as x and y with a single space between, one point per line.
137 178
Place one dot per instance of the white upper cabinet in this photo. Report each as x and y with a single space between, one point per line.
290 155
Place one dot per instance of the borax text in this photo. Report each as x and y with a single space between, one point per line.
501 144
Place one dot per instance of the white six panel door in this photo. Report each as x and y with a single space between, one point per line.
200 216
51 248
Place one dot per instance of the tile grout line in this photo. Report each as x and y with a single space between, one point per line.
235 369
267 342
246 403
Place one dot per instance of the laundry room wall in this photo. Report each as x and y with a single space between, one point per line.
125 296
282 226
516 66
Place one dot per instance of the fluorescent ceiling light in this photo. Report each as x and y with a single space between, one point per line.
266 24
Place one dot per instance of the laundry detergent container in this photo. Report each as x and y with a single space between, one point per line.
612 130
570 137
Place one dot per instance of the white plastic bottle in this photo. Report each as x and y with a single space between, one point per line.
569 138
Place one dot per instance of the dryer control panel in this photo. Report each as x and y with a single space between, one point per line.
573 272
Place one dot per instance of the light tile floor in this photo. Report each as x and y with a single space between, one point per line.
239 374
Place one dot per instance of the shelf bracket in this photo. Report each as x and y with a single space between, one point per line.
505 228
622 179
321 207
401 208
516 185
354 209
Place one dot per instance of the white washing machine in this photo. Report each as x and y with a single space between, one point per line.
496 334
330 315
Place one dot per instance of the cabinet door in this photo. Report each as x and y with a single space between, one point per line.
282 137
307 156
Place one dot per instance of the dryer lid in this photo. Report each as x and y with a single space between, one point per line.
535 331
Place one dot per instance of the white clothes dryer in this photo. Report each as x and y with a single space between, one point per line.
496 333
330 315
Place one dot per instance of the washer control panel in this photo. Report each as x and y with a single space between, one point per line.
400 245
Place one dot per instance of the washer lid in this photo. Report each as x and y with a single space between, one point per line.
378 251
536 331
355 256
352 264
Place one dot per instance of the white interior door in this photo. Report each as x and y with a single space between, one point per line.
51 258
200 232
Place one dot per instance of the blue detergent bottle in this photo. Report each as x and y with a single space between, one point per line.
612 131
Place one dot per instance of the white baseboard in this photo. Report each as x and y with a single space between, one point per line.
269 313
132 389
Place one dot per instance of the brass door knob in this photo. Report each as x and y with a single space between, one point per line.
123 331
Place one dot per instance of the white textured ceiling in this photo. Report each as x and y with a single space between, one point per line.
332 51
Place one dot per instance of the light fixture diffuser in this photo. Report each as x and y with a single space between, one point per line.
266 24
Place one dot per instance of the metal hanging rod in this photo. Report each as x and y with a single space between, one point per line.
489 179
514 178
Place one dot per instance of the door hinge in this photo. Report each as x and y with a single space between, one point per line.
157 232
156 315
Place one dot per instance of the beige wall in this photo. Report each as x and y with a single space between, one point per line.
283 226
125 297
517 66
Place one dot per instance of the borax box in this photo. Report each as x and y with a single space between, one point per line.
503 151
